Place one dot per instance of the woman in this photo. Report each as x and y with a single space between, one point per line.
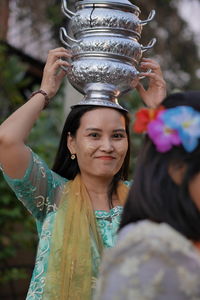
77 206
157 255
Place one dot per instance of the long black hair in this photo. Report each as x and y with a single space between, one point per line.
68 168
154 195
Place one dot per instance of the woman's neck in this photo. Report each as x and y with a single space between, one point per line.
98 191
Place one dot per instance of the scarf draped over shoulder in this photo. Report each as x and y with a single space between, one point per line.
69 274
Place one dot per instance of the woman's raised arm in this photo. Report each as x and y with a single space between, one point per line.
14 155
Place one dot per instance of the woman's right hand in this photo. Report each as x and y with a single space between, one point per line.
53 74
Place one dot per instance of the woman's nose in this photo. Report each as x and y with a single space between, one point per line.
106 145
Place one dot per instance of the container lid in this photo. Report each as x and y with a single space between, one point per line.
120 4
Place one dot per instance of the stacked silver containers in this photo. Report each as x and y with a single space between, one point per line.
105 47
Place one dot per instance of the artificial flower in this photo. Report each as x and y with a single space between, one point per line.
143 117
186 121
162 136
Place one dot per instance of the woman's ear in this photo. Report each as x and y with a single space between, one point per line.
176 172
71 144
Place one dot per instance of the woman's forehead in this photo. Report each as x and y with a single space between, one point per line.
102 117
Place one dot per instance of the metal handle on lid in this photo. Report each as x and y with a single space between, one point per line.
150 18
149 45
68 13
64 35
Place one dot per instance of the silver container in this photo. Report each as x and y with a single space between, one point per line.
105 47
100 16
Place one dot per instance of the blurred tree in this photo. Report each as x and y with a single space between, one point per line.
176 49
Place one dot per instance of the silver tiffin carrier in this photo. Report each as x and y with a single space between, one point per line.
105 48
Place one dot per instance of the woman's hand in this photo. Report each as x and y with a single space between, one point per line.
156 91
53 74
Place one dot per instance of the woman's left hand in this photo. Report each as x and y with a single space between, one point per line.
156 91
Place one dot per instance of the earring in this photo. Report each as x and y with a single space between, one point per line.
73 156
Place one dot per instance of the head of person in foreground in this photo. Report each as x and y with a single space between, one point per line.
166 184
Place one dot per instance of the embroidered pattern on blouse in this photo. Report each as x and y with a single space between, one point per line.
42 202
115 211
36 287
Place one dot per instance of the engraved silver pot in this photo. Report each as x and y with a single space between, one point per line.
118 16
105 48
106 45
105 79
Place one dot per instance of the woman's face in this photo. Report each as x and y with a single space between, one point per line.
100 143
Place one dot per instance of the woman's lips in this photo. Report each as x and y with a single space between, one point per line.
106 157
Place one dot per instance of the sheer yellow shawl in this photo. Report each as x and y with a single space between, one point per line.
69 273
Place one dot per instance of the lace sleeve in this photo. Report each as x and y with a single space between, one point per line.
39 189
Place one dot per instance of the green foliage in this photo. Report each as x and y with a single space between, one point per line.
12 274
17 232
12 81
132 102
44 137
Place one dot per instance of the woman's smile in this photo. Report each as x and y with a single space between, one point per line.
106 157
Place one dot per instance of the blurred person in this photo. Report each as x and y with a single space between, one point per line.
78 204
157 255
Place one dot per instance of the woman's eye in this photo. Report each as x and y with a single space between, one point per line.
94 134
118 135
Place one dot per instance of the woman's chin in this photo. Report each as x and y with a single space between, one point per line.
105 174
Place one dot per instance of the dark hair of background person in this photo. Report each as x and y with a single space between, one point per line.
68 168
154 195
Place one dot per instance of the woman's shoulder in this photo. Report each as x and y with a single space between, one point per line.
158 239
150 259
37 168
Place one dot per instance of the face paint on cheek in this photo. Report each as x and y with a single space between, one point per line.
87 149
91 148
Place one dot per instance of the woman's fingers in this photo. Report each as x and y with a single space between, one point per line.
59 63
57 53
141 90
156 74
156 77
55 62
151 65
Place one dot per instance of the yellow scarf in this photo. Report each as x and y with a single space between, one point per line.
69 273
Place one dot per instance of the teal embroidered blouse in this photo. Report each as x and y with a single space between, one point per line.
39 191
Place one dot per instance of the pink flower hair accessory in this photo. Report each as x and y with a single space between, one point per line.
170 127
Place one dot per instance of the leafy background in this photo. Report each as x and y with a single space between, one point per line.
176 50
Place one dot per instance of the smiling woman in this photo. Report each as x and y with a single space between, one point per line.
101 142
78 204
